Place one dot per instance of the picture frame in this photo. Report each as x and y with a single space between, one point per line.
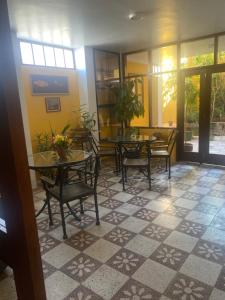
47 84
52 104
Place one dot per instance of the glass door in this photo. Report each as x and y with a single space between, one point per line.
190 116
201 117
216 118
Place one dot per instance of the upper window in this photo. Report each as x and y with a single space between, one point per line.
164 59
221 50
137 63
197 54
43 55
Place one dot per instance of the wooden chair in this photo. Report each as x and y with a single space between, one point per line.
165 151
132 156
65 191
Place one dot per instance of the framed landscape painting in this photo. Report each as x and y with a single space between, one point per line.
52 104
46 84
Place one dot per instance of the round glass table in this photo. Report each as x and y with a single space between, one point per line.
132 138
50 159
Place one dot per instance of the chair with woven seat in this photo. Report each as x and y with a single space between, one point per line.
133 156
65 191
165 151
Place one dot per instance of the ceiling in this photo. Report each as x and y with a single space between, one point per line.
105 23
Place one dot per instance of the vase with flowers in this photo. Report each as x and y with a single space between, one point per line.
61 144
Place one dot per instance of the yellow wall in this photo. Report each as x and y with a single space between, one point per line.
39 119
138 68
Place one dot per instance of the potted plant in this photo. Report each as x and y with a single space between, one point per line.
87 122
127 104
61 144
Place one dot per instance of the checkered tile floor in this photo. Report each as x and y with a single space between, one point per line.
168 243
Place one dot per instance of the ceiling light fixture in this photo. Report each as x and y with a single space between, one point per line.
136 16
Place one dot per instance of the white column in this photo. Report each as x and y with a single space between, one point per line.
26 127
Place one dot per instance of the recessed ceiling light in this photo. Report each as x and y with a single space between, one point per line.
136 16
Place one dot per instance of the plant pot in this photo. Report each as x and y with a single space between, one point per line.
188 147
62 154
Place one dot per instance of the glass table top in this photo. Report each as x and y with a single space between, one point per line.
50 159
132 138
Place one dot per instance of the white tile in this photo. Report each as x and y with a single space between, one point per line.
114 179
8 289
100 188
134 224
201 269
101 229
174 192
128 209
60 255
219 187
199 217
117 187
149 194
164 298
102 250
181 241
189 204
142 245
217 295
214 235
123 196
154 275
167 221
58 286
102 212
105 282
199 190
213 200
57 233
159 206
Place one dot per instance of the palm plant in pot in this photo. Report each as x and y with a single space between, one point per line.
127 104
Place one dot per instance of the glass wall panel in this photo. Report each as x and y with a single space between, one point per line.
191 113
136 63
164 59
221 49
38 52
198 53
164 100
217 114
26 53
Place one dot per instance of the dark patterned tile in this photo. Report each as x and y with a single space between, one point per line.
181 186
133 190
82 293
86 220
191 228
220 284
169 256
88 205
81 240
204 184
47 269
81 267
119 236
177 211
134 290
47 243
44 226
111 203
218 194
126 261
158 188
146 214
192 196
108 192
206 208
210 251
186 288
156 232
139 201
114 217
106 184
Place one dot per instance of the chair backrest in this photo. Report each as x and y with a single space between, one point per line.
89 172
131 149
172 140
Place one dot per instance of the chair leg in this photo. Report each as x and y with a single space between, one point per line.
96 210
125 174
63 221
149 177
166 164
81 207
169 168
49 210
123 179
